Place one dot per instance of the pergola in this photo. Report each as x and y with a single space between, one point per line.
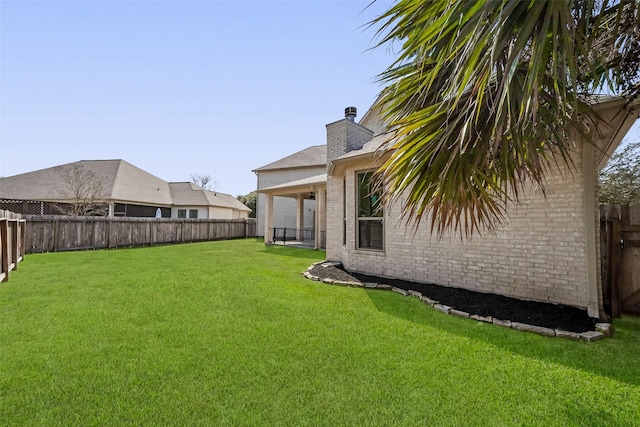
312 188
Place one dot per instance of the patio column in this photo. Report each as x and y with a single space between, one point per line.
300 217
268 218
321 210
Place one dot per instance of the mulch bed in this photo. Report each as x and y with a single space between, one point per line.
547 315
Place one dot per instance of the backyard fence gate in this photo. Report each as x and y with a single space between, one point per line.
620 256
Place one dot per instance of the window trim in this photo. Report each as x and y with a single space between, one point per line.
359 219
182 213
344 211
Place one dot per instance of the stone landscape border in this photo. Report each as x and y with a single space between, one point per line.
602 329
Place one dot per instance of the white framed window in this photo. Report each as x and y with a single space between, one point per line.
193 213
370 220
182 213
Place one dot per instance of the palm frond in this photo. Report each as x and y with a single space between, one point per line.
484 96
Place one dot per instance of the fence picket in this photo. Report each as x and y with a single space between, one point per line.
76 233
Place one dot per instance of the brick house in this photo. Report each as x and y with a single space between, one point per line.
288 190
126 190
547 250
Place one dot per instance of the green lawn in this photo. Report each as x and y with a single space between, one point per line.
230 333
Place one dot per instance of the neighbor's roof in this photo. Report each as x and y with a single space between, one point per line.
312 156
121 182
189 194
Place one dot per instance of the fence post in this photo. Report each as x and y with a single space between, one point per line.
109 232
23 238
4 243
55 235
15 247
615 254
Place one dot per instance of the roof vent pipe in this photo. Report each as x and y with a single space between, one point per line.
350 113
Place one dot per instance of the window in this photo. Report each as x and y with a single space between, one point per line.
370 215
193 213
182 213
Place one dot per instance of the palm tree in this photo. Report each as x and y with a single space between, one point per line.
483 96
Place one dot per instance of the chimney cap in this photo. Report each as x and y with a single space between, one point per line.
350 113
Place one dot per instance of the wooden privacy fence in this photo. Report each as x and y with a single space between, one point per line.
12 242
53 233
620 252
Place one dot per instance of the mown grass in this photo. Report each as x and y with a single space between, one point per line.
230 333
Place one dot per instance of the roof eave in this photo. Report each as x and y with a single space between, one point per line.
319 165
339 165
627 114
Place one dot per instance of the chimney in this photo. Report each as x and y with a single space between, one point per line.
346 135
350 113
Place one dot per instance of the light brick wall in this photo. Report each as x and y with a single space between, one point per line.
344 136
373 120
539 254
334 218
284 208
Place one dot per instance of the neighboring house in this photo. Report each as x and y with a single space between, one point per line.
191 201
547 250
126 190
295 208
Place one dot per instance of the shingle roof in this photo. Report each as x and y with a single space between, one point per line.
312 156
377 143
121 181
231 201
189 194
134 184
43 184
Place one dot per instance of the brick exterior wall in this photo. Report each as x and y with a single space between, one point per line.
344 136
539 254
284 208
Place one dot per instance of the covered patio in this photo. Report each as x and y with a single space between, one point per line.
312 188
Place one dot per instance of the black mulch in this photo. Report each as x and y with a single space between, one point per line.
547 315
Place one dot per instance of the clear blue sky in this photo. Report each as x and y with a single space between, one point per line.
180 87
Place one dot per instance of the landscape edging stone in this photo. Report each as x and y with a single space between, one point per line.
602 329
